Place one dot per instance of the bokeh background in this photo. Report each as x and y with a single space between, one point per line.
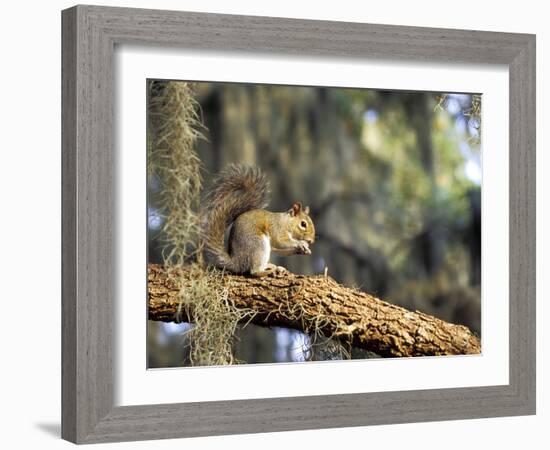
393 180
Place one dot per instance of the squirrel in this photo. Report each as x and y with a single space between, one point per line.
237 199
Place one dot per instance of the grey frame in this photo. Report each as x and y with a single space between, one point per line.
89 36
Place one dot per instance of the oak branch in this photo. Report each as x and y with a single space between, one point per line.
307 302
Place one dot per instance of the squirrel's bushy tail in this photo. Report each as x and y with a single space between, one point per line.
236 189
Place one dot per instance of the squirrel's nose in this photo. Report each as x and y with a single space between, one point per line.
310 240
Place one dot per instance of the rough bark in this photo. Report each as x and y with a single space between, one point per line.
305 302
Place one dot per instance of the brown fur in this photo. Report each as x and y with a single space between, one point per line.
238 195
237 189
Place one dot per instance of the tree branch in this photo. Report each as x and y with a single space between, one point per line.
308 302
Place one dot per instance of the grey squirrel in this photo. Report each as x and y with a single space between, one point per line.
237 198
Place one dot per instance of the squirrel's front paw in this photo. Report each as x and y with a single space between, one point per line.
303 248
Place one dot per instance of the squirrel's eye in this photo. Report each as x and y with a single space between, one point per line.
303 224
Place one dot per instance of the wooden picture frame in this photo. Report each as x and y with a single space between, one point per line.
90 34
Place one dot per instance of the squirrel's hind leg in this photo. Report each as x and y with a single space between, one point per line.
277 269
260 265
270 269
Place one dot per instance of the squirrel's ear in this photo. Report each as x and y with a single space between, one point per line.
306 210
296 208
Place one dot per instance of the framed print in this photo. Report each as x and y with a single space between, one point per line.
256 208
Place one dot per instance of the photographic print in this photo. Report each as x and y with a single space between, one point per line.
297 224
385 272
